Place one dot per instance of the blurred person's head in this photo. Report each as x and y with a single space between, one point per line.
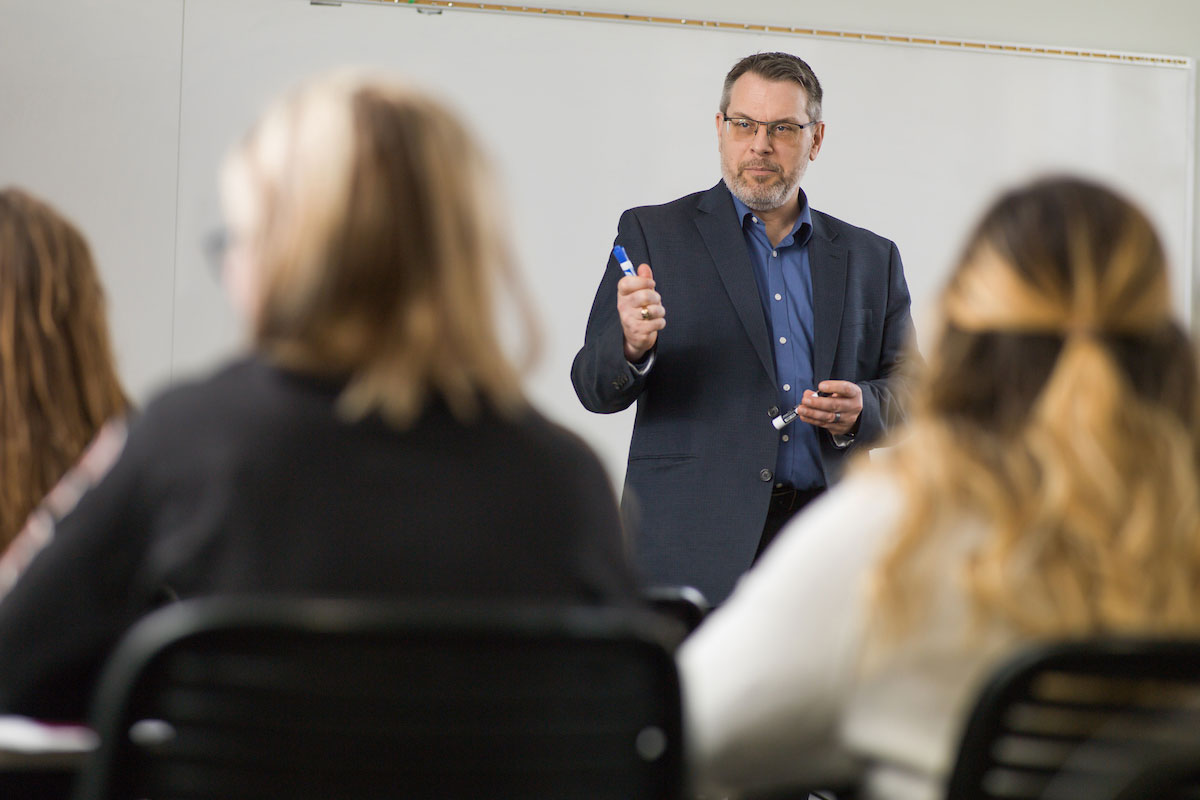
1059 411
58 379
366 244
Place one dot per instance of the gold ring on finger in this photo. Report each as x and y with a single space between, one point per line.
645 312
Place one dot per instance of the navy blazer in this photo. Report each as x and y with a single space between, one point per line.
702 456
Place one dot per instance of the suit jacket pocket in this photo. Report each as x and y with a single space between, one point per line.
664 459
654 467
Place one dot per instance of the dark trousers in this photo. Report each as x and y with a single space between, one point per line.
786 502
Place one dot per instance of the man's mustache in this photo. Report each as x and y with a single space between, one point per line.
759 165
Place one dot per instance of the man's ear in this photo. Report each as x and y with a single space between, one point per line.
818 139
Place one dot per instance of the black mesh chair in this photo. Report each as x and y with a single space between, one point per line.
1085 719
1174 775
259 699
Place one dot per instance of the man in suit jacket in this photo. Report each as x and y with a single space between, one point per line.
773 306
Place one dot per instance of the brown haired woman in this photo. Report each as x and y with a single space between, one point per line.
58 379
1047 488
376 443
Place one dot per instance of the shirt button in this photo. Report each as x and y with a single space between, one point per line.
773 411
778 296
765 475
774 254
755 220
785 437
783 340
787 387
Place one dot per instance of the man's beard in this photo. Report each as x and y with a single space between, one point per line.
761 196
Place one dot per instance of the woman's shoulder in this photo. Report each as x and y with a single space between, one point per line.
230 380
248 390
533 423
554 442
863 507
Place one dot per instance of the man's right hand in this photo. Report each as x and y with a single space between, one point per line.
641 311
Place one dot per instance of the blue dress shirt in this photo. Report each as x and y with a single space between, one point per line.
785 289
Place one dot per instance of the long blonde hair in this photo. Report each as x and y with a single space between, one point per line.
1059 411
58 379
377 243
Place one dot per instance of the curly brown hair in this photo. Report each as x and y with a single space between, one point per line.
58 378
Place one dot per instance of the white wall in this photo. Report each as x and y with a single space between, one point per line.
94 121
89 119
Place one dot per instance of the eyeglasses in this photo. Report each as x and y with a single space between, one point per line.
744 129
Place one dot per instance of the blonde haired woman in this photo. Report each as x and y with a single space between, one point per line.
376 443
1048 487
59 388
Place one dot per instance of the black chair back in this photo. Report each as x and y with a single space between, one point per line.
265 698
1082 719
684 604
1173 775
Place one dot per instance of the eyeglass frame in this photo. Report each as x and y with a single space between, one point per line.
799 126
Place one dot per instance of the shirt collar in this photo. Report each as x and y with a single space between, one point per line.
802 230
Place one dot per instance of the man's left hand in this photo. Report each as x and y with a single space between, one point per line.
838 413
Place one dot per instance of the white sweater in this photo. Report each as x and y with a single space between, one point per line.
776 690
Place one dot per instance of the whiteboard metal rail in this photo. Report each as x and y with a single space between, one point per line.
758 27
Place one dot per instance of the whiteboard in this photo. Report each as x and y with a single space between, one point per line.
918 138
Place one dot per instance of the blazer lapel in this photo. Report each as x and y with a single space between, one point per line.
722 234
827 263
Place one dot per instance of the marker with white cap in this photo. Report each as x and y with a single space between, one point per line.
789 416
785 419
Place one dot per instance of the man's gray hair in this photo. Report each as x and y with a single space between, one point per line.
777 67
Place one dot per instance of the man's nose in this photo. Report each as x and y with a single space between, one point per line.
762 140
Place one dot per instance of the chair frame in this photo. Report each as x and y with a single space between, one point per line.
130 679
1011 690
685 604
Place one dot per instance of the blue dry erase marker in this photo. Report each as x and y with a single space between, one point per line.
623 260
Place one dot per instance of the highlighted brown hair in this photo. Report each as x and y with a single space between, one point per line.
1059 411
